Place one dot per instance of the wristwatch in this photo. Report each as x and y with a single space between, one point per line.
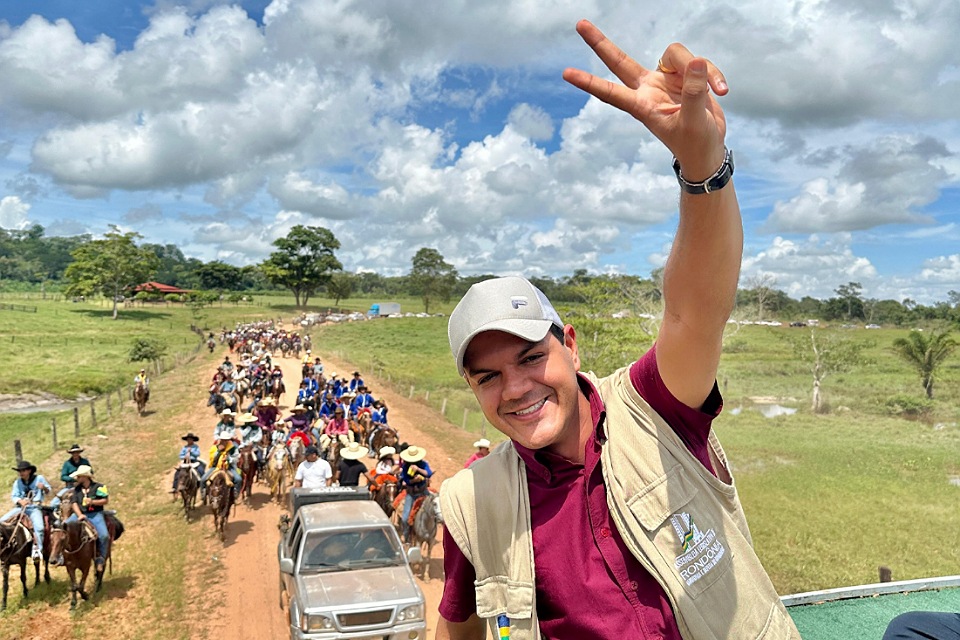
714 183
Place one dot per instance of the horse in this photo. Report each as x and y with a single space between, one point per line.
360 428
423 533
248 471
186 483
220 499
384 496
76 543
241 390
278 389
211 344
297 451
140 395
384 437
16 544
280 470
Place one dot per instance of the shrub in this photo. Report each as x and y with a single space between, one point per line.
909 406
147 349
172 297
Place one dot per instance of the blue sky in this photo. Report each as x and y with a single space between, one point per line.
217 127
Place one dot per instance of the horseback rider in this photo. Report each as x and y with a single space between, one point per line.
27 495
141 378
483 450
336 430
224 455
74 462
386 470
415 475
317 368
89 499
190 454
251 435
350 467
356 382
226 423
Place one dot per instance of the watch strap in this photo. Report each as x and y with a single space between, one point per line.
717 181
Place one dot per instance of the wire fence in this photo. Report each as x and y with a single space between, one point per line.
53 430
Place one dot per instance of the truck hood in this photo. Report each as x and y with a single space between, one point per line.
358 587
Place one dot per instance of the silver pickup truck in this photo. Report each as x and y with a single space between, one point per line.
344 575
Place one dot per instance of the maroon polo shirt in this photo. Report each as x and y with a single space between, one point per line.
588 583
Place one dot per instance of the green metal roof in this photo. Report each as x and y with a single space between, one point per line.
863 613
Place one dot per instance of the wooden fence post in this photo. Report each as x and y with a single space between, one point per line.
93 412
120 399
426 396
411 391
17 450
76 422
53 432
465 412
443 407
109 410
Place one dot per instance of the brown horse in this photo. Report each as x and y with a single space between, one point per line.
278 389
220 499
385 437
76 543
385 495
423 533
360 427
187 483
140 395
248 471
16 545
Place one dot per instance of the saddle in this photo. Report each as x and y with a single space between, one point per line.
398 504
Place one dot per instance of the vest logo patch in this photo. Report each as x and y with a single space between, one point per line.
700 551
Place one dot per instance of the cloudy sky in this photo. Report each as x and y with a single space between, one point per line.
401 124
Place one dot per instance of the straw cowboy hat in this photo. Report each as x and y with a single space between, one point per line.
227 412
298 408
386 451
223 435
75 449
413 454
353 451
482 443
82 470
267 402
246 418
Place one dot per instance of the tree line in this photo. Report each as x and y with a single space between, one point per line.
304 262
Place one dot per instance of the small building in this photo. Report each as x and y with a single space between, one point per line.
160 288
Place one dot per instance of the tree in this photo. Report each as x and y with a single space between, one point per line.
926 352
219 275
761 288
431 277
340 287
304 261
851 294
110 265
826 354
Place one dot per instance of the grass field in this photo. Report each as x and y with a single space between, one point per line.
829 497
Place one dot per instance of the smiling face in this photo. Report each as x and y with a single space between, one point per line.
529 390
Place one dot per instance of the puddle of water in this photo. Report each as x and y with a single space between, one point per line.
774 410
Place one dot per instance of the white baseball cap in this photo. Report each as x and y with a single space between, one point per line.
510 304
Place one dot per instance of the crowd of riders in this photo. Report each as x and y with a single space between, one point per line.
323 416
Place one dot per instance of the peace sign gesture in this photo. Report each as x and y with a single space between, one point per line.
673 100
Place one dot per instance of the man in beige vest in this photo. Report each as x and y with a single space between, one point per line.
611 512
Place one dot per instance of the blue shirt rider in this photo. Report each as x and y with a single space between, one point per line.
190 450
27 495
73 463
415 475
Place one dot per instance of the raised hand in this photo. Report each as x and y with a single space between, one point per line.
672 100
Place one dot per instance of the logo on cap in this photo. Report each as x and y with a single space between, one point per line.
518 301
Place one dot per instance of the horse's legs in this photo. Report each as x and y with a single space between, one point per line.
6 585
36 572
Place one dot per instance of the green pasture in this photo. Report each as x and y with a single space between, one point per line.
830 497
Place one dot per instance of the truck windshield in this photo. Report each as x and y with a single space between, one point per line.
345 550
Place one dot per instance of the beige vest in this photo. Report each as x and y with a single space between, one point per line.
683 524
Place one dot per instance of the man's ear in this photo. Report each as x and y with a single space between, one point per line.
570 342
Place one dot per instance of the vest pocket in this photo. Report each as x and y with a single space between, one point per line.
685 529
498 595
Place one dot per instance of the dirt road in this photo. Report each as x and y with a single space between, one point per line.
250 584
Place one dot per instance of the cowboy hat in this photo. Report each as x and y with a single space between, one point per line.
267 402
298 408
75 449
339 409
482 443
190 436
82 470
227 412
352 451
23 465
386 451
223 435
413 454
246 418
